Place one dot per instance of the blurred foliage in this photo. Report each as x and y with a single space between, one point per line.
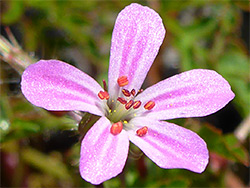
200 34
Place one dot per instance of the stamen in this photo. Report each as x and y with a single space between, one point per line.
137 104
142 131
129 104
149 105
126 92
103 95
133 92
121 100
122 81
116 128
104 85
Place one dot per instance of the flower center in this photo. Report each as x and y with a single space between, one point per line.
122 109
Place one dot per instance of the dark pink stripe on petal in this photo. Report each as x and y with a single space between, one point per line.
193 93
136 39
171 146
103 155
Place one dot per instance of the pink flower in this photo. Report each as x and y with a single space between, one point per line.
126 114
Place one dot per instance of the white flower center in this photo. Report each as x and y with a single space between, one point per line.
121 110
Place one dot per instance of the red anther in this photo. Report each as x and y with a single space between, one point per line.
129 104
103 95
133 92
116 128
105 85
137 104
122 81
149 105
126 92
121 100
142 131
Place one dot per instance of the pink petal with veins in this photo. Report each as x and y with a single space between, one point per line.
194 93
55 85
136 39
171 146
103 155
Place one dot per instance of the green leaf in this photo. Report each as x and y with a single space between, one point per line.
226 146
236 149
45 163
234 66
15 10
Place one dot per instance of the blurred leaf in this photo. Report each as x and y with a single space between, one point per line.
226 146
176 182
201 28
234 66
237 150
20 129
112 183
29 120
21 125
45 163
244 4
188 41
15 10
5 115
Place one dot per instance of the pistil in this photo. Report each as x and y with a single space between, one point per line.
116 128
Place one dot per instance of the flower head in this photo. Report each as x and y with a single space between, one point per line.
127 113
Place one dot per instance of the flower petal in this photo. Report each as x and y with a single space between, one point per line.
103 155
55 85
136 39
193 93
171 146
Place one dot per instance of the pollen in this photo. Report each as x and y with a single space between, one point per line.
149 105
116 128
103 95
122 81
142 131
